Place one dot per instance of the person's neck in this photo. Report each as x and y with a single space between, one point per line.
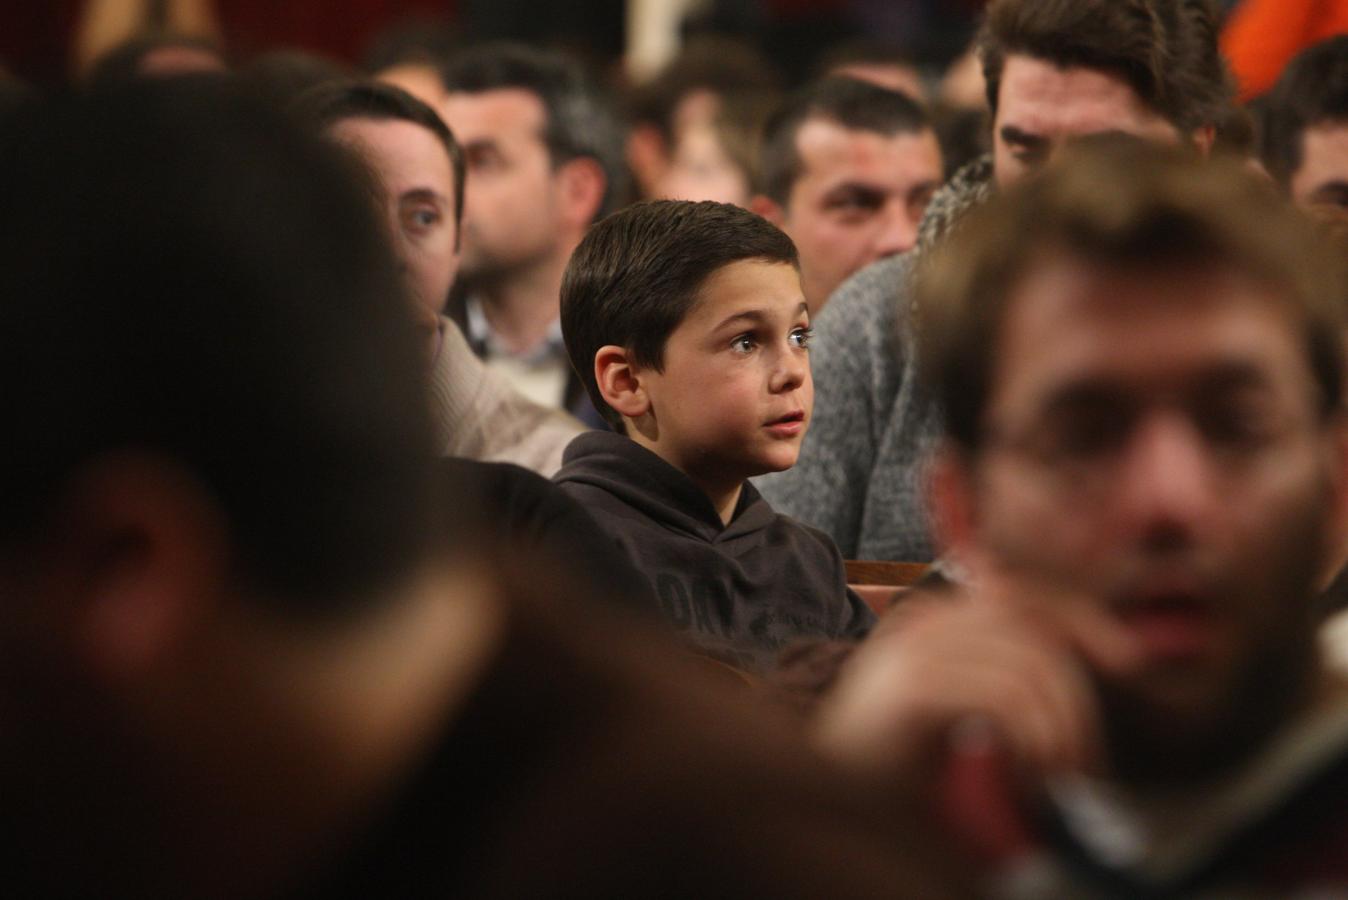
725 500
722 490
329 725
522 307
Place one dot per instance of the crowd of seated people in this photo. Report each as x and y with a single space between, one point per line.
449 479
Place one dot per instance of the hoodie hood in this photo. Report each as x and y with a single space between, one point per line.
620 466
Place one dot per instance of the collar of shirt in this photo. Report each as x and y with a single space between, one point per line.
484 339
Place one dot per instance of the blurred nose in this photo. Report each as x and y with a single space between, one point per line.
1167 486
897 235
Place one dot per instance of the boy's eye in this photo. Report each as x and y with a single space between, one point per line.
801 337
744 343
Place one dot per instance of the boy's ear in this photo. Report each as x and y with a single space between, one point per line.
1205 137
768 208
620 382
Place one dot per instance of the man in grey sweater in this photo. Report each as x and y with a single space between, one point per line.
1055 69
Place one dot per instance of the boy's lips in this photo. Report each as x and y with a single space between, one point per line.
787 425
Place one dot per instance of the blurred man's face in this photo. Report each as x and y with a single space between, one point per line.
860 197
1154 447
418 181
1039 106
701 169
511 209
1322 178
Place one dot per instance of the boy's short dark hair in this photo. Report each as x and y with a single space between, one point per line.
333 102
187 274
1312 90
853 104
579 122
1165 49
638 272
1122 202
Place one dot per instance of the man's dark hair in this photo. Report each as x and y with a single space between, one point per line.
416 40
855 105
715 63
1166 50
863 52
637 273
186 274
283 76
579 124
334 102
1118 201
1312 90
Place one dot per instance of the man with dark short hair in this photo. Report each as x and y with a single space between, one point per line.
846 169
1055 69
421 173
1145 477
239 658
544 161
1306 127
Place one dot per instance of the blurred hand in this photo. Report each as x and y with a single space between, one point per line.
1008 658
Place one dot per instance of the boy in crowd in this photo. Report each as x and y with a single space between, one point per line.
238 660
688 325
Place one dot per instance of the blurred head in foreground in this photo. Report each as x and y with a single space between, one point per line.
217 464
1141 380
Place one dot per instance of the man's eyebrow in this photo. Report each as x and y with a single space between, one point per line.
1333 191
1234 376
1105 392
865 191
756 315
923 187
480 144
1013 135
420 194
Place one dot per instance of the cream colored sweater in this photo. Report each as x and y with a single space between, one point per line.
479 416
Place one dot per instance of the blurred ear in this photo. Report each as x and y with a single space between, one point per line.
1204 138
768 208
1337 514
582 183
620 382
138 553
951 502
647 157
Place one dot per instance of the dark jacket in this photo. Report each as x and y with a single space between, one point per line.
742 592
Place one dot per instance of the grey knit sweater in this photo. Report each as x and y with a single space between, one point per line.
862 469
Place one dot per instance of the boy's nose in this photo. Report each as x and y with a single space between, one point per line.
792 369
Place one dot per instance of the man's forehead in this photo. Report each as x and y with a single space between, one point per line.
826 147
1324 159
399 150
1073 320
1040 98
496 113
